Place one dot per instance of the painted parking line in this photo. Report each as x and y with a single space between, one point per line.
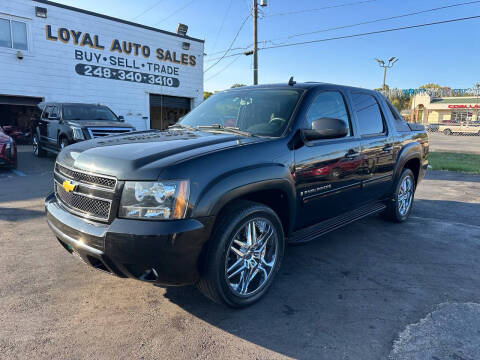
18 172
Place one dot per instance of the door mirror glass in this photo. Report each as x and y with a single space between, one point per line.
121 118
326 128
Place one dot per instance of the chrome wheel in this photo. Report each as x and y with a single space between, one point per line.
405 195
251 257
35 145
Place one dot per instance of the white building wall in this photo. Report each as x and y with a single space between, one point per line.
48 67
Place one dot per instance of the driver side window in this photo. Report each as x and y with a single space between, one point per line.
328 104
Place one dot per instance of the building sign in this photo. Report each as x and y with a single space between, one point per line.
476 106
96 58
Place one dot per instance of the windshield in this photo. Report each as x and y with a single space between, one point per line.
88 112
263 112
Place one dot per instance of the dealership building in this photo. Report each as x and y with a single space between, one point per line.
426 108
53 52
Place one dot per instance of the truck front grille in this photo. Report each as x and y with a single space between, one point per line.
96 132
97 180
83 205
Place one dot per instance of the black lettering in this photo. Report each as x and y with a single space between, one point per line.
120 61
160 54
127 47
64 35
96 43
86 40
175 60
97 57
113 60
184 59
136 47
156 67
76 36
168 56
116 46
146 51
78 55
88 56
193 60
48 30
175 71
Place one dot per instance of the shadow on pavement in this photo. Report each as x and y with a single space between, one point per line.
348 294
18 214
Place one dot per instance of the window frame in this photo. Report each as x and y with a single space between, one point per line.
24 21
352 132
384 120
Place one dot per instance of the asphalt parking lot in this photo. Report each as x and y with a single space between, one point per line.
468 144
372 290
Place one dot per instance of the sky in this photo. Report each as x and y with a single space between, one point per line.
447 54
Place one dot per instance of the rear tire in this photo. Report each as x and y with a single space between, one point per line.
447 132
239 272
400 207
37 147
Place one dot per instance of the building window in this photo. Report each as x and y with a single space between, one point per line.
13 34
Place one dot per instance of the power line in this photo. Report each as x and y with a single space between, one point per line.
147 10
362 34
175 11
377 20
225 68
222 24
231 44
322 8
353 25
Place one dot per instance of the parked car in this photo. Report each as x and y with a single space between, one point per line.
214 205
62 124
469 128
8 151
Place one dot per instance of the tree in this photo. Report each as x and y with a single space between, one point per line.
237 86
207 94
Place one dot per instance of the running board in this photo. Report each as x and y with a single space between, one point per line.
312 232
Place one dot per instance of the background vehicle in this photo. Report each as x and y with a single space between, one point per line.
214 204
472 128
8 151
62 124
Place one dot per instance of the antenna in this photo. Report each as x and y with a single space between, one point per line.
291 82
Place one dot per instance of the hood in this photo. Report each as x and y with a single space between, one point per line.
99 123
142 155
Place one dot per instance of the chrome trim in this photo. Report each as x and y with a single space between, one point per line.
73 241
106 129
79 212
100 187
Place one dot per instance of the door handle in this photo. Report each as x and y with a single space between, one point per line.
352 154
387 148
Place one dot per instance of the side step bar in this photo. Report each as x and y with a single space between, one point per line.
312 232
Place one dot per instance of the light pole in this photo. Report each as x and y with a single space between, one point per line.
386 66
263 3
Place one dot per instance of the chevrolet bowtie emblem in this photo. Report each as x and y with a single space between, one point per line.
68 186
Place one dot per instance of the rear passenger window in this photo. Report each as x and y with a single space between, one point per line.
400 123
46 112
370 119
328 104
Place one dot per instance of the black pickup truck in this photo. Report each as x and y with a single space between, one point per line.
214 199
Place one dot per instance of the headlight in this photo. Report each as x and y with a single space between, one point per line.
154 200
78 133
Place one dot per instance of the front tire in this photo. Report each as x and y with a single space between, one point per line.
37 147
447 132
400 207
244 255
63 143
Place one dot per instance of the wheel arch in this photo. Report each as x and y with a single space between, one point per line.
410 157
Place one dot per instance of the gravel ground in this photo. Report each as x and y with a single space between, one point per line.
358 293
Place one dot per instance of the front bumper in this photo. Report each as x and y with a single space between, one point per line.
163 252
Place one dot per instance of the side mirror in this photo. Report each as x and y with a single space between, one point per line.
326 128
121 118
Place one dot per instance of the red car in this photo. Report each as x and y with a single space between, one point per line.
8 151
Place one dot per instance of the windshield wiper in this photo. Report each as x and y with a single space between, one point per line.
181 127
231 129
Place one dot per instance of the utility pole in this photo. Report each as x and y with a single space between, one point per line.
386 66
255 43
